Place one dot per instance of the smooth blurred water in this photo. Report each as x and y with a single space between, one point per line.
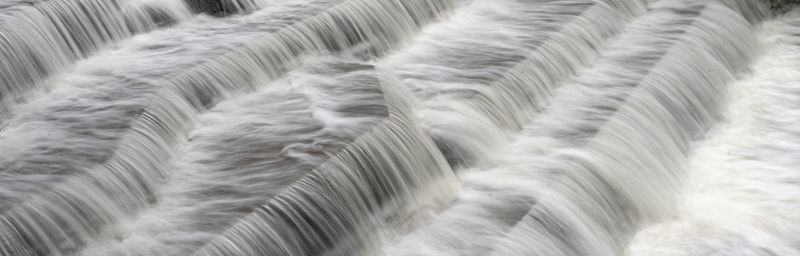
741 191
389 127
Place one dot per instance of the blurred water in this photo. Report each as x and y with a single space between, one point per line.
741 193
388 127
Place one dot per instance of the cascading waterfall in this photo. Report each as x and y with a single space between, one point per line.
336 209
495 93
398 127
161 115
575 115
615 71
646 141
320 127
740 197
40 39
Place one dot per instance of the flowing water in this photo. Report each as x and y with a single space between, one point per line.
399 127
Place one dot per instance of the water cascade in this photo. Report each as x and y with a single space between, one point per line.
740 197
398 127
139 137
41 39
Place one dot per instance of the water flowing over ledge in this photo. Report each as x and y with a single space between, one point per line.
397 127
743 172
157 123
43 38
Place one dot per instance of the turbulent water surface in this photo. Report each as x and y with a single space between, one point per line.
399 127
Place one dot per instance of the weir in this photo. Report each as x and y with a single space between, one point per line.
207 197
393 127
166 52
743 163
578 110
335 209
497 93
43 38
673 106
131 174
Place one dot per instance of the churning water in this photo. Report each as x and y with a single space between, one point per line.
399 127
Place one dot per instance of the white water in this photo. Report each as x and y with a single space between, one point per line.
42 38
741 196
388 127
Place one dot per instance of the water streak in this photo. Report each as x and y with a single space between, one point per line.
741 193
398 127
42 38
137 136
575 115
